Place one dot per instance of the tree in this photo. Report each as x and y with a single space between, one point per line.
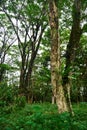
56 78
72 48
30 23
70 54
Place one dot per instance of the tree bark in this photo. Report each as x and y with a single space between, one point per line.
72 50
56 79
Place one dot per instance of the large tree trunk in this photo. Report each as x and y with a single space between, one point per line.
56 78
72 50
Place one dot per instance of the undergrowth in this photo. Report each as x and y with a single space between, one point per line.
42 117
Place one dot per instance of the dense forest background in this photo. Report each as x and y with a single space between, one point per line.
43 47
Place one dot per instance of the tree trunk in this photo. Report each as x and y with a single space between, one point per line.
23 70
56 78
53 99
72 50
25 77
27 66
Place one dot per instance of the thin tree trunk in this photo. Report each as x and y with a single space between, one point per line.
53 99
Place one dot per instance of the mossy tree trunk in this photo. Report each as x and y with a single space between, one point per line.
56 78
62 91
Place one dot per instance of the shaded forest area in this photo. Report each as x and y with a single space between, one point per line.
43 64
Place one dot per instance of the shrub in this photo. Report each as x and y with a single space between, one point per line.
6 94
43 117
20 101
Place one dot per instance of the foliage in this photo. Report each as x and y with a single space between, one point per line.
43 116
7 94
20 101
4 67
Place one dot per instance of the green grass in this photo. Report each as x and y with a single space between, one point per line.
42 117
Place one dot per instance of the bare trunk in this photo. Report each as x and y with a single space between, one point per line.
25 85
22 87
56 79
71 51
61 100
68 97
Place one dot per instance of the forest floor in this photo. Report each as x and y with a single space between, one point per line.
42 117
